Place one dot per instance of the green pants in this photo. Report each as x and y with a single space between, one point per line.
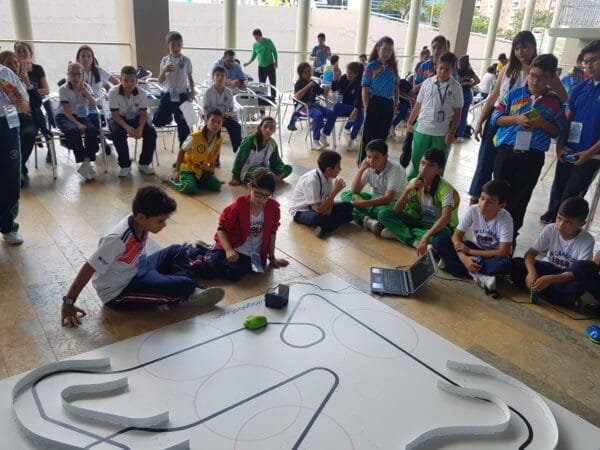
358 214
188 183
421 143
287 170
406 228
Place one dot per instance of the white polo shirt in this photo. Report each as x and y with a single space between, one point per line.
435 98
213 100
561 252
391 178
178 79
128 106
75 99
97 86
9 76
312 188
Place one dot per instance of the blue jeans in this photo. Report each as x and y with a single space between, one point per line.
340 213
82 150
485 160
401 113
234 129
318 114
10 176
167 110
495 265
462 124
343 110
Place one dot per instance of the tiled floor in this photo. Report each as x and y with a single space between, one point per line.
62 221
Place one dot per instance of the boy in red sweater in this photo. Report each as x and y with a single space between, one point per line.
245 237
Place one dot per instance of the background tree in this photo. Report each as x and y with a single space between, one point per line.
541 18
480 23
401 7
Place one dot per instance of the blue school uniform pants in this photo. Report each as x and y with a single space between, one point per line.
485 160
163 277
82 149
587 273
234 129
378 120
167 110
444 247
462 123
215 265
344 110
10 176
341 213
119 137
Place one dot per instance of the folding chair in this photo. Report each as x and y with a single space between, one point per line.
250 111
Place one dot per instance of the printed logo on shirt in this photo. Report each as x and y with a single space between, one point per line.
132 251
485 238
560 259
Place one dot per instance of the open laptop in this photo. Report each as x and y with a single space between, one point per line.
404 282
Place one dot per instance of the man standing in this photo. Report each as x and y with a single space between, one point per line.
265 51
236 78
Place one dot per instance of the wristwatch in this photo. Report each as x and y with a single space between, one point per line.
68 301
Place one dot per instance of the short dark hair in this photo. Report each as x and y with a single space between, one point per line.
302 67
219 69
214 112
153 201
574 208
128 70
263 178
448 58
435 155
321 35
492 69
502 56
440 39
256 32
328 158
592 47
362 55
229 53
547 63
497 188
174 36
334 59
355 67
378 145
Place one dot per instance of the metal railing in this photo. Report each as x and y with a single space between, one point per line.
580 14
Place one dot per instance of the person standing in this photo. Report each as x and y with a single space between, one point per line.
264 50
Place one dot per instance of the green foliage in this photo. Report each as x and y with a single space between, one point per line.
540 18
480 24
400 6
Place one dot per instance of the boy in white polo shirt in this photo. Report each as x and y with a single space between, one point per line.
564 243
386 178
438 109
129 118
492 229
178 84
313 200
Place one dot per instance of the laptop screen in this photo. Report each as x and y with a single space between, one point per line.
422 270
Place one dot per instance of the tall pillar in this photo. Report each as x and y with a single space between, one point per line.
528 16
21 20
302 31
490 40
125 32
229 23
551 40
411 35
362 34
457 19
151 26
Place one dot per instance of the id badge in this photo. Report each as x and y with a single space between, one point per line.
256 263
174 95
82 111
575 132
440 116
12 116
130 115
523 141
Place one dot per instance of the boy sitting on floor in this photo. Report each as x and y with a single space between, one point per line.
564 243
492 228
386 178
313 201
122 274
246 233
427 207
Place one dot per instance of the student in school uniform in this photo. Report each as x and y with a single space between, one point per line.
178 86
13 99
320 54
313 200
428 67
94 75
129 118
348 86
72 118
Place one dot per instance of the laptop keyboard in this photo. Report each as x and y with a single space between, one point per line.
393 280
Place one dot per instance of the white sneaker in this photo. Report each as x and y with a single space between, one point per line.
124 171
145 168
416 243
317 146
84 171
350 146
205 297
386 233
489 282
460 140
13 238
92 172
373 225
477 277
323 140
347 130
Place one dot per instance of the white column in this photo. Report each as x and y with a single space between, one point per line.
551 40
302 31
362 29
21 19
490 40
229 23
411 35
528 16
456 22
125 32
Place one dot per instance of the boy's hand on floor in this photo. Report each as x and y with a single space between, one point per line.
71 315
542 283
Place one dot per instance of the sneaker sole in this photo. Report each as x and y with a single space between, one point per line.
208 297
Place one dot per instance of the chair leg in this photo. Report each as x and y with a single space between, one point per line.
135 150
52 150
173 143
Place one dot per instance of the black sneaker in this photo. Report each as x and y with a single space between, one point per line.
547 218
292 127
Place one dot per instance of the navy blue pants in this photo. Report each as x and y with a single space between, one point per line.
587 273
10 176
444 247
401 112
215 265
234 129
340 213
82 150
119 137
560 293
343 110
378 120
167 110
485 160
164 277
28 132
462 124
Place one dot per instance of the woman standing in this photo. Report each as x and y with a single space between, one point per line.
467 79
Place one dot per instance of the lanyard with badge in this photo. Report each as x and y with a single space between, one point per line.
524 137
10 112
179 65
130 114
440 115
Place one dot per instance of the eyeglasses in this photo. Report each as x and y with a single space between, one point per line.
589 62
260 194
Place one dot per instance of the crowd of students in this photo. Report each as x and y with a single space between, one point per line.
526 107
